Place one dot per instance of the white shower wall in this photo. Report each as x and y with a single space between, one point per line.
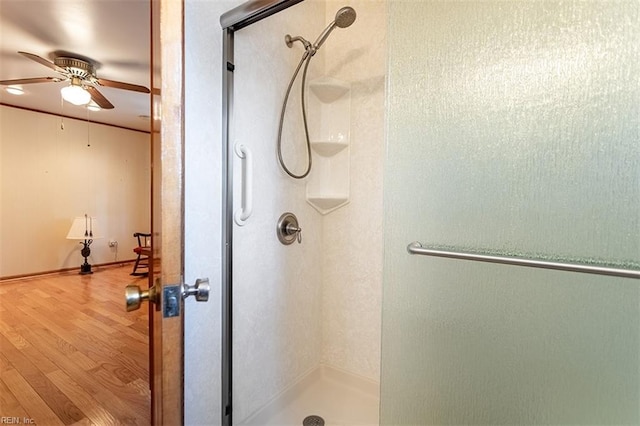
352 235
277 310
319 302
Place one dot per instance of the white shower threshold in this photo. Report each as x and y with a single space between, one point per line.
339 397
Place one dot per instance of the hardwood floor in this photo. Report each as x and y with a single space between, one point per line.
69 352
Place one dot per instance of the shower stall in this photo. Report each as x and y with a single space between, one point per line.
484 130
289 356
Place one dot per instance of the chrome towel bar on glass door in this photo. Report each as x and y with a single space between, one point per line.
417 248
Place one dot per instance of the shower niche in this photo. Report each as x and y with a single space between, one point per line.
329 104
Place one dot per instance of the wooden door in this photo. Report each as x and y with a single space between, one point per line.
166 337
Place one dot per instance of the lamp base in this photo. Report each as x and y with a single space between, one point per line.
85 269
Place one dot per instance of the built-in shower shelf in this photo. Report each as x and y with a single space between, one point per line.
328 148
330 105
325 204
329 89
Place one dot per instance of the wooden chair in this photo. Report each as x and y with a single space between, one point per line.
143 250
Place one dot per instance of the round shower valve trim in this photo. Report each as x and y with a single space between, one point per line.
288 229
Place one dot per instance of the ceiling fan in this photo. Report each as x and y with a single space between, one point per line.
82 76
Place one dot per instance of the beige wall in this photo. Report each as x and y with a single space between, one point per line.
52 170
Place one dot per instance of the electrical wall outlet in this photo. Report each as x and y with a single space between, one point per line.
113 243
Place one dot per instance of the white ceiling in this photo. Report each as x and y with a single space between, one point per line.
115 34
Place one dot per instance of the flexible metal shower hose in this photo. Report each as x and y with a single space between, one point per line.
306 59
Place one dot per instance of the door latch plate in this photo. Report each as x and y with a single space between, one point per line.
172 296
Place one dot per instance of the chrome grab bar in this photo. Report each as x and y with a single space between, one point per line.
417 248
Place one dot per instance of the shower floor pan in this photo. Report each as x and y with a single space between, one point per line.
340 398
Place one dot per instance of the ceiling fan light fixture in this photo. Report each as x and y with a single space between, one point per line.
92 106
75 95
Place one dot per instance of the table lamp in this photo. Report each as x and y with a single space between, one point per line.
83 228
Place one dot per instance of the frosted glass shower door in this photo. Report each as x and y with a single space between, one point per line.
513 129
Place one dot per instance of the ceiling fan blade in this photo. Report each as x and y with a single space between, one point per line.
98 98
30 80
120 85
43 61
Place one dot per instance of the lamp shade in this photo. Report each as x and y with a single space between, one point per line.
75 95
83 228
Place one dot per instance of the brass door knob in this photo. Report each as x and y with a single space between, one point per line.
134 297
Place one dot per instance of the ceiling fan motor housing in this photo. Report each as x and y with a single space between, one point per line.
75 67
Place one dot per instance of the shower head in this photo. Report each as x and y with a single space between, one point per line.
344 17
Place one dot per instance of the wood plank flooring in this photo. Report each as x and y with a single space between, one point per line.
69 352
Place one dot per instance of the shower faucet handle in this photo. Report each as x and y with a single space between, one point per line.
294 230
